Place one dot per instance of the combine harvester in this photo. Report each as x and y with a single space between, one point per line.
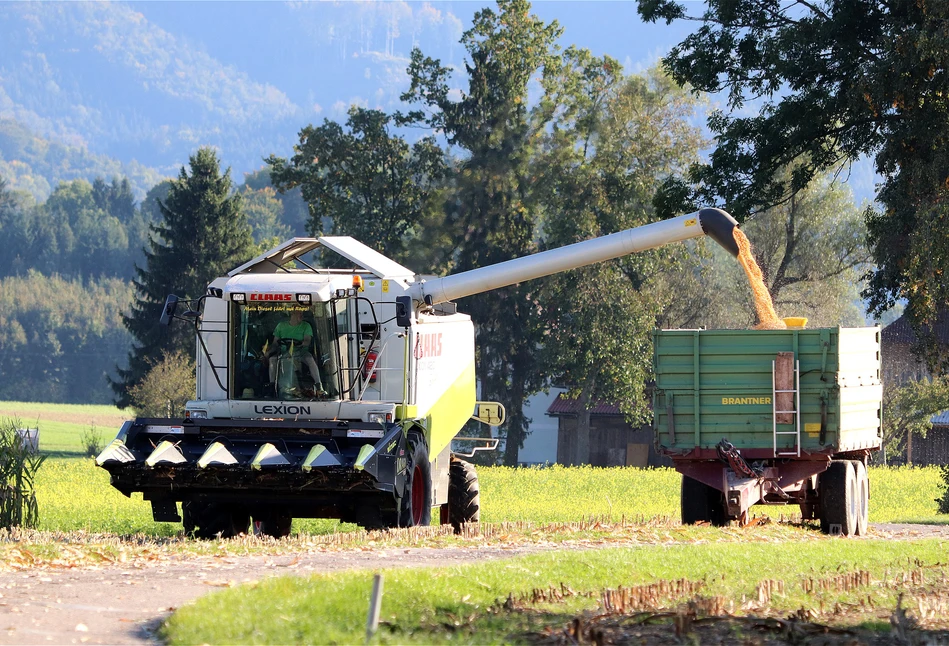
327 393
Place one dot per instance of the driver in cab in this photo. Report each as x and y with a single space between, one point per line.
293 336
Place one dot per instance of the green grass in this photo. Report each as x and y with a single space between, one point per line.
74 494
465 604
61 424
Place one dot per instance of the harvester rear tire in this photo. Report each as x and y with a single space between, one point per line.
416 504
863 497
464 494
700 503
839 499
210 520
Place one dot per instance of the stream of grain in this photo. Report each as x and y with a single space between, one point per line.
767 319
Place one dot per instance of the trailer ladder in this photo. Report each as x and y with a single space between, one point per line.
795 450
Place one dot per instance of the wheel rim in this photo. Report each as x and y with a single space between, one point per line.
418 495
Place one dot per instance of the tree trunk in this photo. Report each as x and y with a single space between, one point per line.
909 448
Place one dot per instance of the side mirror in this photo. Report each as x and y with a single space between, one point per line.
168 312
403 311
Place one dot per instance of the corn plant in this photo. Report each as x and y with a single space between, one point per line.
18 468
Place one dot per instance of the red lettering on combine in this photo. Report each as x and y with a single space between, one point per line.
271 297
429 345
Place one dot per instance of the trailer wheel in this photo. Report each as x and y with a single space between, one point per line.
209 520
273 524
416 504
700 503
863 497
839 499
464 494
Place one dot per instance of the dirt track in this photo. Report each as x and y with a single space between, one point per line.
123 604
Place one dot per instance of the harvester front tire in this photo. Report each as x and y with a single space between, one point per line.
839 498
863 497
464 494
416 504
209 520
700 503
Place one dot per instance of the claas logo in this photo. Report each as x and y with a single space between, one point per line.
282 298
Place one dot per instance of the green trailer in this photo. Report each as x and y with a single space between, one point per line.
775 417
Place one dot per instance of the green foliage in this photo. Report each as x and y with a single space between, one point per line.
908 409
36 165
829 84
166 387
370 184
59 338
18 478
203 234
264 212
489 209
613 139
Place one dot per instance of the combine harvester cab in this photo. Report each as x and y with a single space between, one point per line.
337 393
772 417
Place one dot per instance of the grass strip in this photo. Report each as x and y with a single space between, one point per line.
479 603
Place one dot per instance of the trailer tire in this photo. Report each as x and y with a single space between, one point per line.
210 520
415 508
464 494
863 497
700 503
839 499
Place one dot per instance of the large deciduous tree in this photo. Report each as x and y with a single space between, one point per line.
368 183
829 82
613 139
489 208
202 235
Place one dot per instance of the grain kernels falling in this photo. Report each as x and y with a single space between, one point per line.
767 318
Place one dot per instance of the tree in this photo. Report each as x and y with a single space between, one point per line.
264 211
166 387
489 207
830 83
368 183
202 235
908 409
613 139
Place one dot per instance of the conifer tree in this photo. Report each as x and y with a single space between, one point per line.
203 234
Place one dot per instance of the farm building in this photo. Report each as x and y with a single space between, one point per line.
900 366
612 441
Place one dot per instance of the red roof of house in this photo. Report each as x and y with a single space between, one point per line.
567 406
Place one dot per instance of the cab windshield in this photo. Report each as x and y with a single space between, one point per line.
287 351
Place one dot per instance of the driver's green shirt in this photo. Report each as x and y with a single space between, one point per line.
294 332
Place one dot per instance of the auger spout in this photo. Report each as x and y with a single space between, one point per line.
715 223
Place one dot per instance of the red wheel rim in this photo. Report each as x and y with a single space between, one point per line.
418 495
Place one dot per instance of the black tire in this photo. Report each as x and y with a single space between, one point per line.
464 494
838 499
415 507
700 503
275 524
209 520
863 497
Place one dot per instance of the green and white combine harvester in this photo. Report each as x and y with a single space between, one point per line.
355 417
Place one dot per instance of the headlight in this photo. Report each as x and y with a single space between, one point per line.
380 418
196 414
